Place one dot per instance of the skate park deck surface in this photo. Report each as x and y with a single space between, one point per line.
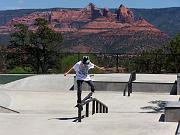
50 111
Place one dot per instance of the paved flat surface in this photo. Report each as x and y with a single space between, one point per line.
111 77
46 110
123 77
50 113
156 78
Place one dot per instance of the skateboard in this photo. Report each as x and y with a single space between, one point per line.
89 96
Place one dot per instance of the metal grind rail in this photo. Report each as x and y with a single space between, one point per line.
97 107
129 84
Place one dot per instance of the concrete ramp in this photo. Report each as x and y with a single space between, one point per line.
5 99
41 83
5 102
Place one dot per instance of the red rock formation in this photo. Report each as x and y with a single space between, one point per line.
90 24
124 15
106 12
92 11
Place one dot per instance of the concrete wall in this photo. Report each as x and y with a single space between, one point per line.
104 86
172 115
155 83
107 82
136 87
172 111
154 87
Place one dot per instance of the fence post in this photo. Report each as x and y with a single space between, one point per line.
100 108
106 110
79 114
178 84
78 56
117 62
87 110
97 104
93 107
129 88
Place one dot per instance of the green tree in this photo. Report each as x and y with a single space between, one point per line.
40 45
173 58
20 41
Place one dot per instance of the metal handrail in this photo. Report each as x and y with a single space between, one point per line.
129 84
97 107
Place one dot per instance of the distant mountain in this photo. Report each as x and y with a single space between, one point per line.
166 19
92 29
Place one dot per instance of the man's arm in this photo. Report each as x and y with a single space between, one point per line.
101 68
68 71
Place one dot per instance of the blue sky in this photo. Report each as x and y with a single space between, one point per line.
28 4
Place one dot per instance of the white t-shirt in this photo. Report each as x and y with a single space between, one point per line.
82 71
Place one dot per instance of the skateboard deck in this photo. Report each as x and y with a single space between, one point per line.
84 99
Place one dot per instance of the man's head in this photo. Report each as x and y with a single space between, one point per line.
85 60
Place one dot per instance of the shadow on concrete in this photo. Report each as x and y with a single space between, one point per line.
75 119
174 89
157 107
178 129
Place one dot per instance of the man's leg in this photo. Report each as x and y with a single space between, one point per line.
91 85
79 90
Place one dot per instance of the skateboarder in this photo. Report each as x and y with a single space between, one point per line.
81 68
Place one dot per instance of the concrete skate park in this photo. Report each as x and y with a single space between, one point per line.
44 104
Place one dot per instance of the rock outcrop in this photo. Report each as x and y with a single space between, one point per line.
124 15
93 11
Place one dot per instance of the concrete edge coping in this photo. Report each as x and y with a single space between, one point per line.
153 82
144 82
110 81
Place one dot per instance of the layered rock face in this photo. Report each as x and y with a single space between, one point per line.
91 29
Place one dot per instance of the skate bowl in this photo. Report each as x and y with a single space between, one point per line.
5 99
5 102
41 83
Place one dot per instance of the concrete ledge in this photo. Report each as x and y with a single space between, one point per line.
172 111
